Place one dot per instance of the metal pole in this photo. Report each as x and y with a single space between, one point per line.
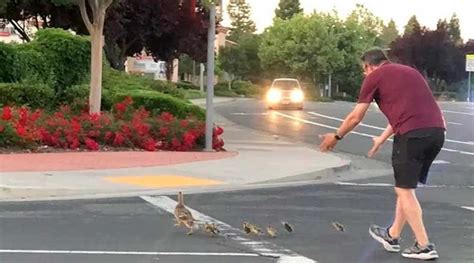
330 86
210 77
194 72
201 77
469 88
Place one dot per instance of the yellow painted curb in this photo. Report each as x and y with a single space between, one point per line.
162 181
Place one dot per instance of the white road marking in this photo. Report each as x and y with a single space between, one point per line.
391 185
338 119
357 133
250 114
320 124
379 128
468 207
140 253
368 184
262 248
454 123
458 112
441 162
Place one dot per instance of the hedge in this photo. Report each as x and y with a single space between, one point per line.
33 95
158 102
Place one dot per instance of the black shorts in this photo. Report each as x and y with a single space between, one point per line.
413 153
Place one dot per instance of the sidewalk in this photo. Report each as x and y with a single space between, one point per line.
252 158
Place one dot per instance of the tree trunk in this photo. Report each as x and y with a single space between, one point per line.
169 69
20 30
114 56
96 31
96 72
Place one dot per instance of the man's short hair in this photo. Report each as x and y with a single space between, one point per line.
374 57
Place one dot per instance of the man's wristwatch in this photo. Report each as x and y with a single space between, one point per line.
338 137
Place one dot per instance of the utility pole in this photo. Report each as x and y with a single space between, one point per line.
211 35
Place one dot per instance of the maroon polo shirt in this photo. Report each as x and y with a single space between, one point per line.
403 95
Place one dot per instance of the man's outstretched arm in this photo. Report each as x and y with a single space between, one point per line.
352 120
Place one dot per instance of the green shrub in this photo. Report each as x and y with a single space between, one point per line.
186 85
245 88
347 97
222 90
322 99
194 94
158 102
114 80
32 64
8 63
34 95
445 95
65 54
168 88
8 134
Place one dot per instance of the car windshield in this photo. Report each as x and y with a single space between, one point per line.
286 84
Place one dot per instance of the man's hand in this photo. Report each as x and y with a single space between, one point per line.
328 142
378 142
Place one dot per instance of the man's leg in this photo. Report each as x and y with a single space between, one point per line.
399 222
412 212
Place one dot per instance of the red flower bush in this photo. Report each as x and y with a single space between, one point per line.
6 113
123 127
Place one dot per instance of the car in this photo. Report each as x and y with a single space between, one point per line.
285 93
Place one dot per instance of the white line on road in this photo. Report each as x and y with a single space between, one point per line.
140 253
391 185
368 184
454 123
379 128
468 207
320 124
441 162
356 133
249 114
458 112
262 248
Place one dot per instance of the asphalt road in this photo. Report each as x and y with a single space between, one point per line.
141 229
454 166
127 229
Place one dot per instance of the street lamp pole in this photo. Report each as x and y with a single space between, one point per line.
210 77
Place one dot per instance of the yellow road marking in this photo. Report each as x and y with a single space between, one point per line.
162 181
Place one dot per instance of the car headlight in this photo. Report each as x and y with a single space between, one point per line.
274 95
297 96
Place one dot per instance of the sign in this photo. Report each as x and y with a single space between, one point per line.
470 62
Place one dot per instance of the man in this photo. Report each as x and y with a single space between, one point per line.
415 118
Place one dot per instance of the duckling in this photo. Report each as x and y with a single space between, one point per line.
288 227
338 226
271 231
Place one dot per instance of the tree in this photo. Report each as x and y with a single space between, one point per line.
353 40
454 30
432 52
242 61
389 33
93 13
469 47
125 30
373 24
412 26
241 23
288 8
304 47
174 32
232 60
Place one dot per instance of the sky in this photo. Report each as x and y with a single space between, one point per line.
427 11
